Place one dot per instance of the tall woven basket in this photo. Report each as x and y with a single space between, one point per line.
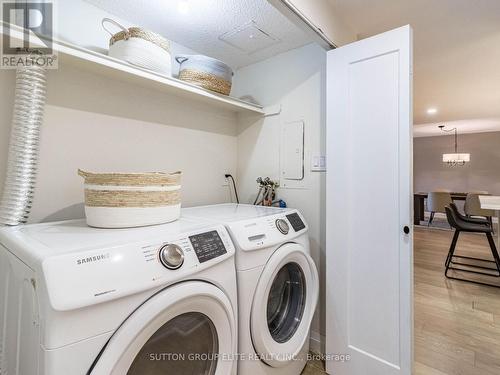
121 200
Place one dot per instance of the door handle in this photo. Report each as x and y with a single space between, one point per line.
406 229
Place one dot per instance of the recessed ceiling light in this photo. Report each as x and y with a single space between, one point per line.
183 7
432 111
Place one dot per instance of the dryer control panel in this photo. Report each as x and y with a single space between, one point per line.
268 231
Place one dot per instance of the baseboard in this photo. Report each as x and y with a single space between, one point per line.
317 342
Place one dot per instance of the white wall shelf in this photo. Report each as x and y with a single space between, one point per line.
98 63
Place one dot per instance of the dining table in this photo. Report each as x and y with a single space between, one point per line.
492 202
419 204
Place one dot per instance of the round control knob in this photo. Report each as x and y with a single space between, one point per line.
282 226
171 256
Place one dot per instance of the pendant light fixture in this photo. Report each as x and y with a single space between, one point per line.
455 159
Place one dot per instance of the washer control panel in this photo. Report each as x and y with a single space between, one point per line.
282 226
296 221
171 256
108 272
207 245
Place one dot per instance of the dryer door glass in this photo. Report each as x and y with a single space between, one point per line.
286 302
187 344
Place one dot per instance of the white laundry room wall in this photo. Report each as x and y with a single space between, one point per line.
294 80
101 124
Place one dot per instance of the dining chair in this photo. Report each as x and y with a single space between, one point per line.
436 202
486 267
472 206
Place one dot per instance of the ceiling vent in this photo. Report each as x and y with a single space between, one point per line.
249 38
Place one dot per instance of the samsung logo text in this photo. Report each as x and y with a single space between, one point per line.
92 259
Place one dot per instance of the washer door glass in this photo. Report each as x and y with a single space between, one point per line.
286 302
187 344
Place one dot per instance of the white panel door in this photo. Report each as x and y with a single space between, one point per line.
369 187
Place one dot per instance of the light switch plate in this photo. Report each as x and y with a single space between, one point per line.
318 163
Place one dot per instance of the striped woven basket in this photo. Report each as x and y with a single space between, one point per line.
206 80
120 200
206 72
139 47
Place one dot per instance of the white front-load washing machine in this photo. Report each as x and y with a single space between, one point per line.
277 285
77 300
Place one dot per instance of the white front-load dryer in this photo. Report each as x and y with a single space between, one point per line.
77 300
277 285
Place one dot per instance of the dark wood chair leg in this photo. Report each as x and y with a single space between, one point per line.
431 218
452 251
494 251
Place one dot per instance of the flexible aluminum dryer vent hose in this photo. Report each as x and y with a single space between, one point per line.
22 164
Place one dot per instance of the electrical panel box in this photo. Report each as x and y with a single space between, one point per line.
292 150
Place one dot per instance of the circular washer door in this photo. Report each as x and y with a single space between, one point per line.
189 328
283 305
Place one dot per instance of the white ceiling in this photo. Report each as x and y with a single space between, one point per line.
457 51
200 28
483 125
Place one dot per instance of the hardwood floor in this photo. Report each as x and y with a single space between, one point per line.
314 367
457 324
